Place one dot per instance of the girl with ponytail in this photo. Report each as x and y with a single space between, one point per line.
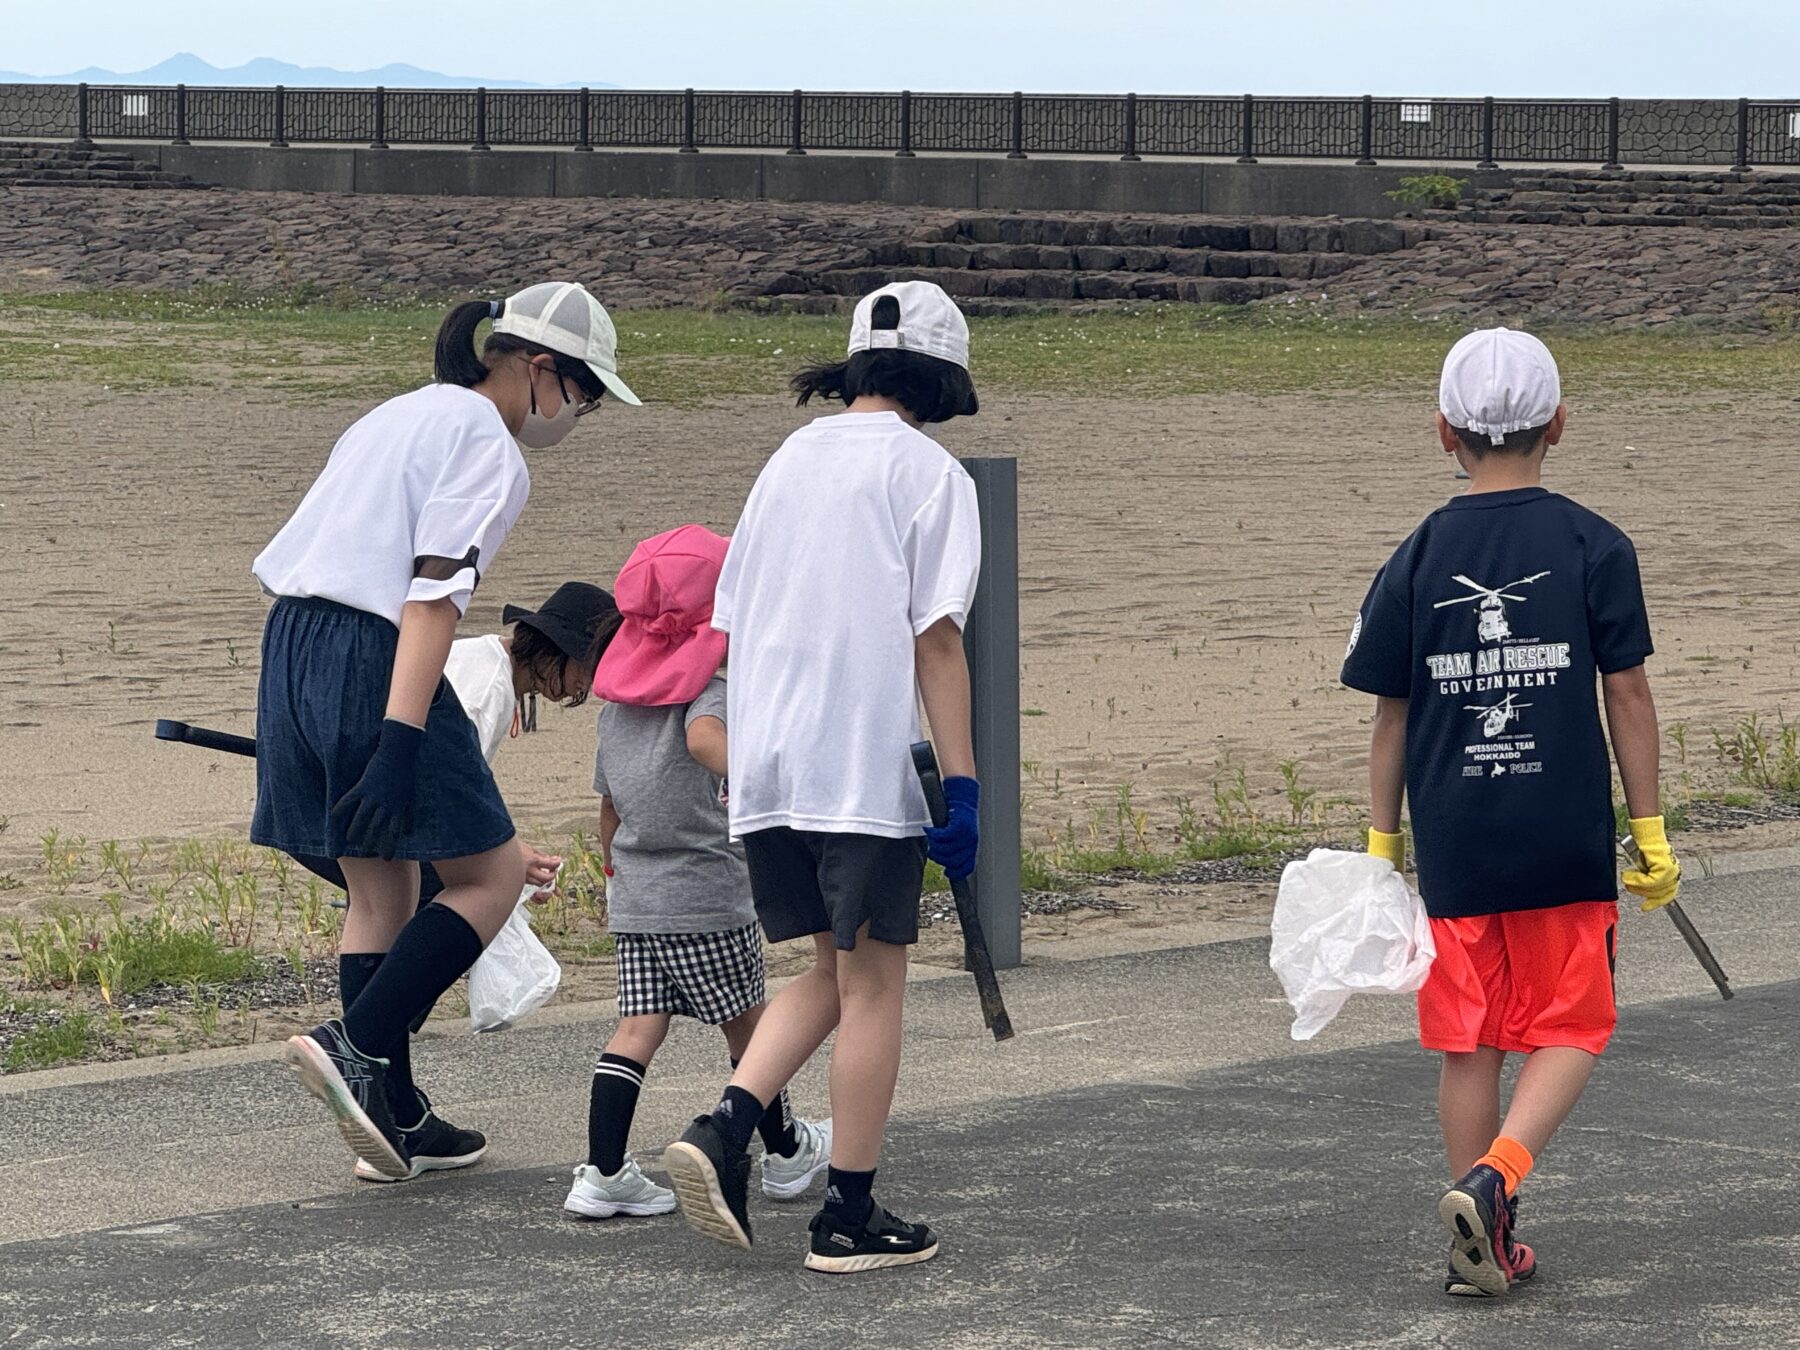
364 754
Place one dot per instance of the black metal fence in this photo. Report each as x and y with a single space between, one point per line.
1481 131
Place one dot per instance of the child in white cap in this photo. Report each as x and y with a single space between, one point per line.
1482 639
678 901
845 592
365 755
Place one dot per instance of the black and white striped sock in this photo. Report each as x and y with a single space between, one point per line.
612 1103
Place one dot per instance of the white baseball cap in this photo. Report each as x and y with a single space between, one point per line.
1498 381
564 317
930 323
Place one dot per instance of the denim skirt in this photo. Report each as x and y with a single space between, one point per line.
320 702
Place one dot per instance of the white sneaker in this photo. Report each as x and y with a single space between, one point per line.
787 1178
598 1196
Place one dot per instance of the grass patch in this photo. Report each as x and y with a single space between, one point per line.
308 343
74 1037
1762 756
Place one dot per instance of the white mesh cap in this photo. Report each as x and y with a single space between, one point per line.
1497 381
930 323
564 317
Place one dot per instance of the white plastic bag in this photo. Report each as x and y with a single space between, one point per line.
1345 923
515 976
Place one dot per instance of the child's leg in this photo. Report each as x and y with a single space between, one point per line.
793 1025
1549 1085
865 1062
618 1078
777 1124
383 896
1469 1105
436 946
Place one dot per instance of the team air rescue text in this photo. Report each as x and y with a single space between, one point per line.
1522 667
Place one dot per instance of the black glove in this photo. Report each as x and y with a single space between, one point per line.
377 812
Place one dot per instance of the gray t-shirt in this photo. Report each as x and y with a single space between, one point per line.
675 867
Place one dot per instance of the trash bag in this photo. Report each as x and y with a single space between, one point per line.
515 976
1345 923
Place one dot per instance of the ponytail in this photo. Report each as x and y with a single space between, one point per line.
455 361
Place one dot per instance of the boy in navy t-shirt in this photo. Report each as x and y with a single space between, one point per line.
1482 639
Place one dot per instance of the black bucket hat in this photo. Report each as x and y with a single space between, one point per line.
569 618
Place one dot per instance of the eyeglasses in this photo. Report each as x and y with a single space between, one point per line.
583 408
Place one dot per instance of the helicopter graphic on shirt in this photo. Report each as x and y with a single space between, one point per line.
1490 605
1495 717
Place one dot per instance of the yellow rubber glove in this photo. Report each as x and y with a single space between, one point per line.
1656 877
1389 846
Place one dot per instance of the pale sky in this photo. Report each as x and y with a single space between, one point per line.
1520 48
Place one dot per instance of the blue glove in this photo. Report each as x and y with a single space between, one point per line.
377 812
952 845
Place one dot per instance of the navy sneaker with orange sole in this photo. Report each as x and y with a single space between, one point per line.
1520 1257
1476 1212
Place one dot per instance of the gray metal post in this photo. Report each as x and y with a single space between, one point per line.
991 640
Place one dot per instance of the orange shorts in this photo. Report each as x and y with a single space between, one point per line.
1522 981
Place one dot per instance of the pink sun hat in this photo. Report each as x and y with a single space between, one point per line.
666 649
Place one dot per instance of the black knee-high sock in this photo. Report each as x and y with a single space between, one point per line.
432 952
355 970
847 1194
612 1102
777 1125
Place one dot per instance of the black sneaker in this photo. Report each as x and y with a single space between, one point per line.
1479 1217
883 1240
354 1087
710 1184
432 1145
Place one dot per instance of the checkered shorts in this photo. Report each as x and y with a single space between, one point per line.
711 977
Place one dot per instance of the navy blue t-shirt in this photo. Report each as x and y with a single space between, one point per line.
1494 620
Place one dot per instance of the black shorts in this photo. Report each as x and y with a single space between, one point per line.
807 881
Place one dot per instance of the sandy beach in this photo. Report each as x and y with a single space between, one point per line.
1190 568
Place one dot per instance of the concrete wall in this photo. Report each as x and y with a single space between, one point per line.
966 181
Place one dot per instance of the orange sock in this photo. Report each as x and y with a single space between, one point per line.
1510 1159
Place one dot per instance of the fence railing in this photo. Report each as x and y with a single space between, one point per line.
1480 131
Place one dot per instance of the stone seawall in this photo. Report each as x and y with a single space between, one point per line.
641 252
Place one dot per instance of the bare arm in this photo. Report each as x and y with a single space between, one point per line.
427 627
609 826
943 673
1387 764
1636 741
706 743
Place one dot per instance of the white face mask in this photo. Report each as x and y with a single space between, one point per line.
539 432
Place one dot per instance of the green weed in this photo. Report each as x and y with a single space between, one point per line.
71 1038
1428 189
1762 757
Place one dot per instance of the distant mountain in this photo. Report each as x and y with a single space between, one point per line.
186 68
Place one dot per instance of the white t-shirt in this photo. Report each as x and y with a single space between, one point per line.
859 535
480 670
433 473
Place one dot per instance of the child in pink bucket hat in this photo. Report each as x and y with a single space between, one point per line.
666 649
684 927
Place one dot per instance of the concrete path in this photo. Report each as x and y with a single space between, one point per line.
1151 1162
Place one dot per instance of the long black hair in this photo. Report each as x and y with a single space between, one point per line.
928 387
456 362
